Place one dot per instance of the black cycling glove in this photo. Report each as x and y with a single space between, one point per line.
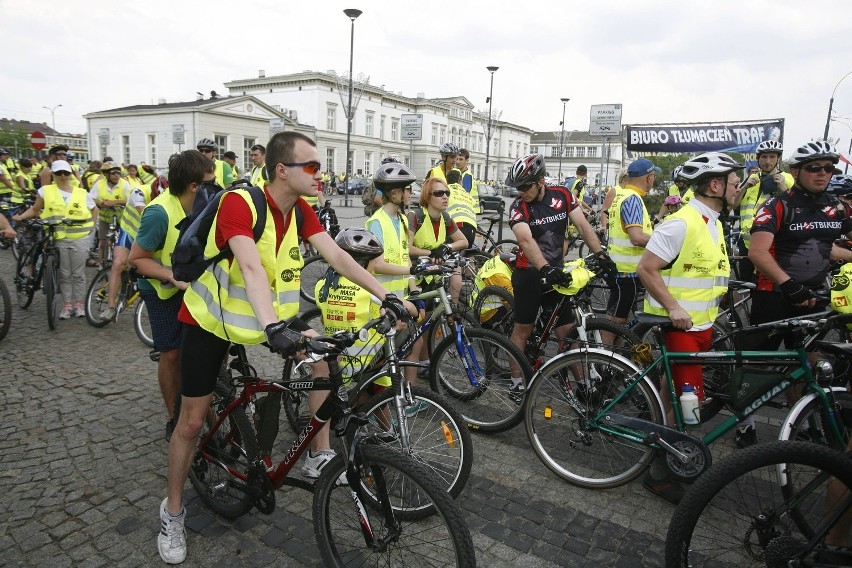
606 264
796 293
555 277
440 252
394 305
282 339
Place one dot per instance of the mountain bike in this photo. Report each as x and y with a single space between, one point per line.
128 298
5 309
381 511
485 244
769 505
606 433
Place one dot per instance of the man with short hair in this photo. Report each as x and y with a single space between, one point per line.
449 152
224 175
464 202
257 155
110 194
230 158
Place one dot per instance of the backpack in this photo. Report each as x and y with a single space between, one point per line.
367 199
188 260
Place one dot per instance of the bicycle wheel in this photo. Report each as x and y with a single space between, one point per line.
494 310
439 540
736 514
488 406
437 435
96 299
314 269
598 292
503 246
562 404
25 277
5 309
220 467
441 328
623 340
51 290
142 324
296 402
812 425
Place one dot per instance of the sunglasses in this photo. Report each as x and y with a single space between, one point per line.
62 173
311 167
813 168
441 193
525 187
207 151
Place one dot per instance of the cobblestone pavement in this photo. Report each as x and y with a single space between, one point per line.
84 471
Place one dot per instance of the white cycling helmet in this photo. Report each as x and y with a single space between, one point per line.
676 173
448 149
393 175
709 164
770 147
816 150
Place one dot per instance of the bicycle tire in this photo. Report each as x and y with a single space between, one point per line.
732 505
51 290
503 319
598 292
624 339
442 539
441 328
564 437
315 268
141 323
25 277
488 407
811 423
234 445
5 309
296 402
503 246
437 435
96 298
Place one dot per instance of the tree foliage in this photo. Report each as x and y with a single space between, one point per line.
16 140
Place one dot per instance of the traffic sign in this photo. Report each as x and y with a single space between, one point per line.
178 134
411 127
38 140
605 120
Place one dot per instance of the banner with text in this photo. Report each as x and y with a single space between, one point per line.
742 137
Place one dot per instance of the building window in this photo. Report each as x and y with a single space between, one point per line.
247 144
331 118
368 125
581 151
534 150
222 142
443 134
554 151
525 148
329 160
434 135
394 129
152 150
368 162
569 152
125 148
517 150
592 152
453 135
382 128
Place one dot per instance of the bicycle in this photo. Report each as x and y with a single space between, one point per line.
485 244
390 494
606 433
5 309
128 298
771 505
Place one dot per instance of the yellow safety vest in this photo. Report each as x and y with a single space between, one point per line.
5 189
474 189
132 218
220 170
751 202
348 307
437 172
494 272
425 236
119 191
146 176
625 254
56 210
257 177
19 195
396 251
698 277
174 210
462 205
312 200
134 181
218 299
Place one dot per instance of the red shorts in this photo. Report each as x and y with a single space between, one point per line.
691 341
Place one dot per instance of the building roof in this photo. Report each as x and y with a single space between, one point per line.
200 104
12 124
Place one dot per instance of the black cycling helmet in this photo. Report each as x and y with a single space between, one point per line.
361 244
528 169
393 175
207 144
841 186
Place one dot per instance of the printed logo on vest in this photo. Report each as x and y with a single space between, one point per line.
294 253
287 275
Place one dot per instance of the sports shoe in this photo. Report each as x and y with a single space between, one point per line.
80 311
108 314
746 437
668 489
416 408
171 542
314 463
66 312
516 392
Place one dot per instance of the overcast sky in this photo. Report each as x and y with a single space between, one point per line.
665 61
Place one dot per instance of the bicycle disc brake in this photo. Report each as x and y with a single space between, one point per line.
699 459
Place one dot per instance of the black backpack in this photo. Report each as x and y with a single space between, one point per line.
188 260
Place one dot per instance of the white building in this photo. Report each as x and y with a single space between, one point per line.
579 148
313 98
152 133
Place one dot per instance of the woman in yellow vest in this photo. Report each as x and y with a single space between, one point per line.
685 271
56 203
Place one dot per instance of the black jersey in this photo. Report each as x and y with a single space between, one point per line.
548 221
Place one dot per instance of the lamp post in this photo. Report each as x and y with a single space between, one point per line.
53 115
831 104
562 136
352 14
491 69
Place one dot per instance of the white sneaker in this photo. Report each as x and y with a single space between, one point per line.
314 464
80 311
171 541
66 312
108 314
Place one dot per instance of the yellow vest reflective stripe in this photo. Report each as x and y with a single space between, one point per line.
130 221
699 275
171 205
425 236
474 189
751 202
312 200
218 300
462 206
257 176
120 191
625 254
56 210
348 307
493 272
396 251
146 176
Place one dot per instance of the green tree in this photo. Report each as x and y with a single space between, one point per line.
16 140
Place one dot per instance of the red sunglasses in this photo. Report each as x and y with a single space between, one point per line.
307 167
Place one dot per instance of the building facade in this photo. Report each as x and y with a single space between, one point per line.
314 98
77 143
601 156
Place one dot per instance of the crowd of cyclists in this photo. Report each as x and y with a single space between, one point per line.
789 222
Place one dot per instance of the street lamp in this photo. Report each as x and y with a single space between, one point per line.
492 69
831 104
561 136
53 116
351 13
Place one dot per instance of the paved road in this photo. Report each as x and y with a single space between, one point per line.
84 465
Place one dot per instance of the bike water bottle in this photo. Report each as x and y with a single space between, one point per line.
689 406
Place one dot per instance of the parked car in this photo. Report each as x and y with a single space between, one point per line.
356 186
510 191
489 198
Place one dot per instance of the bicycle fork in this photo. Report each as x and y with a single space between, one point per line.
376 477
471 365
